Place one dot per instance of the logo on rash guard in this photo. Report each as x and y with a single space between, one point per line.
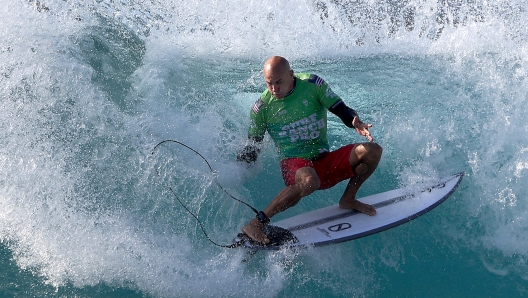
308 128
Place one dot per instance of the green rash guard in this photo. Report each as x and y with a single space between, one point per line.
298 122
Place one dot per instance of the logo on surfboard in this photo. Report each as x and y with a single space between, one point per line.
339 227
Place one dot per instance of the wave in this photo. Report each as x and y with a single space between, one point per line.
88 88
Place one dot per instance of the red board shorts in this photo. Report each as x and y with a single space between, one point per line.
332 167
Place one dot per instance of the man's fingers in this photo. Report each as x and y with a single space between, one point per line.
362 128
368 136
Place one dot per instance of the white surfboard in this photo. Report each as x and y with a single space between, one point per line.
333 225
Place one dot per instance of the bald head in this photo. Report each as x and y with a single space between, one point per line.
276 63
279 76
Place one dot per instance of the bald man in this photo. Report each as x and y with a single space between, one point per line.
293 112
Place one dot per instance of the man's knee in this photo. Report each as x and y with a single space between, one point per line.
313 182
375 149
309 182
369 150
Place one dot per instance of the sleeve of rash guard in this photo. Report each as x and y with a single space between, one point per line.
345 113
332 101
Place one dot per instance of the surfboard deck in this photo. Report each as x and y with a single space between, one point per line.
334 225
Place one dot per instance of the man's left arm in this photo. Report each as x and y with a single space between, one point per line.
345 113
351 119
337 106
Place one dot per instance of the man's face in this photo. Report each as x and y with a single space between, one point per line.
279 81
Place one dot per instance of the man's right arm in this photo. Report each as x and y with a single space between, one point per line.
250 152
256 131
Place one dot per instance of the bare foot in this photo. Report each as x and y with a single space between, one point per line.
254 229
359 206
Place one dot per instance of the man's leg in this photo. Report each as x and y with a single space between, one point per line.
363 159
306 182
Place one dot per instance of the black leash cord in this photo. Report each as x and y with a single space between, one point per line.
210 168
200 223
217 183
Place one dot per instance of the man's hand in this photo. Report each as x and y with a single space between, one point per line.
249 153
362 128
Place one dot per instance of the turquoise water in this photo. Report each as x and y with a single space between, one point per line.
88 88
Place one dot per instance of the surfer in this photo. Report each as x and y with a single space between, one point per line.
293 111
